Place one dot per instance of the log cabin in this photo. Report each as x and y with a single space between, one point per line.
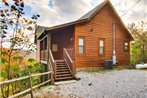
87 42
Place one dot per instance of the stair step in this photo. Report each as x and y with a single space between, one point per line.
61 64
64 78
59 68
63 75
59 61
64 72
62 68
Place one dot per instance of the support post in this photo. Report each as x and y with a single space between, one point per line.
52 79
30 85
47 66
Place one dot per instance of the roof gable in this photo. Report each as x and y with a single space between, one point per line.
94 11
91 14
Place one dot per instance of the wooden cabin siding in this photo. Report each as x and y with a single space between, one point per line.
63 38
38 51
100 26
123 57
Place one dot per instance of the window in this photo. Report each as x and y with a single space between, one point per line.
101 46
45 43
126 46
81 45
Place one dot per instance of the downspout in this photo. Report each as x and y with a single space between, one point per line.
114 43
38 54
47 76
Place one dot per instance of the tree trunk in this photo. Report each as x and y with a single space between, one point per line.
143 54
8 71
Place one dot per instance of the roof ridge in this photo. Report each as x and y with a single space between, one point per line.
93 11
89 15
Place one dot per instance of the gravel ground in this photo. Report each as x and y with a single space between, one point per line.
109 84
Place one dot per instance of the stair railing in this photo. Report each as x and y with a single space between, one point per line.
71 52
69 61
52 63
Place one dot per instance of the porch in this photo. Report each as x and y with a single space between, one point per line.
69 51
58 53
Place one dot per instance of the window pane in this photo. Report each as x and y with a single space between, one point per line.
126 44
101 46
101 50
126 48
45 43
81 42
101 43
81 49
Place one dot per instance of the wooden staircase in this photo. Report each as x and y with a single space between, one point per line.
63 72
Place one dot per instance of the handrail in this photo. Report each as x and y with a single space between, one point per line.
18 79
69 61
69 66
71 53
52 63
51 55
68 55
25 77
29 89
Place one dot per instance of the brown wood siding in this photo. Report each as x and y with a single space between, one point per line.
100 26
64 38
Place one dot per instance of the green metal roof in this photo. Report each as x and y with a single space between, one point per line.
90 13
40 30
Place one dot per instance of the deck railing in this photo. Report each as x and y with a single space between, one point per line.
23 85
69 61
47 55
52 63
44 55
71 53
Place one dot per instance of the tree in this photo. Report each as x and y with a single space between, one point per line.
16 31
139 32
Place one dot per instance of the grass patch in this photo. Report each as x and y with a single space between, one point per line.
97 70
103 70
142 69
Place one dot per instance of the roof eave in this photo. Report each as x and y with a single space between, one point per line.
121 21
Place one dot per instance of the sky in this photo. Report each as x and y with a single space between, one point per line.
55 12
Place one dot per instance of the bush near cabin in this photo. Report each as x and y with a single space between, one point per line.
20 66
139 45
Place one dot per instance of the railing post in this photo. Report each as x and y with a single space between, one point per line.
30 85
55 70
2 91
53 63
67 55
74 69
52 79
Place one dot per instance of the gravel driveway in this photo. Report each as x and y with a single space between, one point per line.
109 84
